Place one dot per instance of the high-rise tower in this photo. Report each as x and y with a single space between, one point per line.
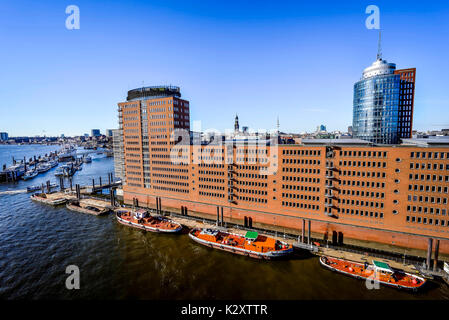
383 103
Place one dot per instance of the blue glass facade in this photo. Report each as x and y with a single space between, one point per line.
376 107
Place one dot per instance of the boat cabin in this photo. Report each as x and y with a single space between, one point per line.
141 213
209 234
382 266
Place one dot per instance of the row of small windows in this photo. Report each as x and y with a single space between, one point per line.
436 211
300 196
427 199
300 188
301 170
301 179
211 194
428 177
427 188
206 186
169 176
215 173
252 183
250 199
368 164
425 220
429 155
368 174
367 184
429 166
253 191
367 194
374 154
302 152
211 180
302 161
251 175
362 213
362 203
171 189
301 205
173 183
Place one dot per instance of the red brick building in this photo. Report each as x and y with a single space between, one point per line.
346 189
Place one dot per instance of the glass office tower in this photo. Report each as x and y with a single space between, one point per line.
376 104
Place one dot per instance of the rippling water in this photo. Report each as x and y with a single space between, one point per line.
38 242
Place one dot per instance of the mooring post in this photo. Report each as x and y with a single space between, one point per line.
429 252
93 184
48 186
435 261
303 240
100 182
70 180
308 232
222 220
218 215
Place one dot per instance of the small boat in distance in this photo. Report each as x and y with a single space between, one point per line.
379 271
36 188
30 174
141 219
43 167
87 159
252 244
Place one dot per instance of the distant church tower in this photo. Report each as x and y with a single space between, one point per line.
236 124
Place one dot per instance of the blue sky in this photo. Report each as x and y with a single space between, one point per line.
261 59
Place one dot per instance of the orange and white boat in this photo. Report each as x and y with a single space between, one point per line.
141 219
379 271
251 245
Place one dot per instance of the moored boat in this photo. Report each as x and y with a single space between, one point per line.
30 175
35 188
87 159
42 197
90 209
141 219
252 244
43 167
379 271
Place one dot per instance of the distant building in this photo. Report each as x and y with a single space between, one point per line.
86 135
95 133
4 136
119 154
109 132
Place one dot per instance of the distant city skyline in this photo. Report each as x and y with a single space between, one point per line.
297 61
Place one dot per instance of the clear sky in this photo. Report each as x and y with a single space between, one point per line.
261 59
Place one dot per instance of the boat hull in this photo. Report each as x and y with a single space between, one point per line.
146 227
385 283
244 252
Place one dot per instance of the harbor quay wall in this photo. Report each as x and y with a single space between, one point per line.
397 241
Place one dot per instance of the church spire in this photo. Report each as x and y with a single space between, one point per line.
236 124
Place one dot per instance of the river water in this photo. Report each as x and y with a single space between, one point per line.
38 242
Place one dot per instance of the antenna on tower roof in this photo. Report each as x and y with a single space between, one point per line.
379 46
